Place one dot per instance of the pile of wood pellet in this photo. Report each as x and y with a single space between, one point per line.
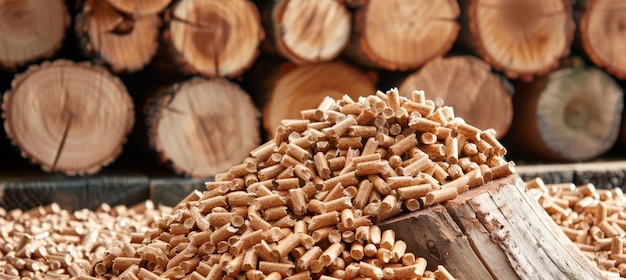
305 204
48 242
594 219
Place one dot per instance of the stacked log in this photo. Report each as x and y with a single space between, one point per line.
202 127
68 117
306 31
467 84
602 33
523 39
401 34
570 115
31 30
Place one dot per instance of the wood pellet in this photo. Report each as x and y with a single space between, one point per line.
304 205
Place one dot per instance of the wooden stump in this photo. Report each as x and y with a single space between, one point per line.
67 117
215 38
304 87
31 30
126 42
602 34
203 126
467 84
571 114
402 34
307 31
496 231
140 7
521 38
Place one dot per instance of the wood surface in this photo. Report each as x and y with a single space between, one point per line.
140 7
402 34
214 38
306 31
496 231
572 114
68 117
602 33
203 127
31 30
481 97
126 42
523 39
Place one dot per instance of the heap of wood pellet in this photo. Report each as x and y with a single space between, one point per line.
48 242
594 219
304 205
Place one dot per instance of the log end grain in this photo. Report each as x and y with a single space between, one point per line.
310 32
68 117
215 38
573 114
304 87
466 83
203 126
126 42
602 31
140 7
30 30
521 38
402 35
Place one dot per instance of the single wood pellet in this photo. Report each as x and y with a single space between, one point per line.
302 206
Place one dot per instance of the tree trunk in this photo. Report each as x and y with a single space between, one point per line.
126 42
523 39
215 38
572 114
496 231
303 87
402 35
467 84
307 31
203 126
31 30
140 7
67 117
602 34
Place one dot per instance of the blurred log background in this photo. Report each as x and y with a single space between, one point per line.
503 64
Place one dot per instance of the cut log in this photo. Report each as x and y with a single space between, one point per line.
135 7
602 33
31 30
307 31
466 83
571 114
496 231
304 87
126 42
203 126
521 38
67 117
402 34
214 38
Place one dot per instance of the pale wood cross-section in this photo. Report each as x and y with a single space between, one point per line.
602 30
31 30
496 231
125 42
308 31
68 117
304 87
402 34
466 83
521 38
215 38
571 114
202 127
140 7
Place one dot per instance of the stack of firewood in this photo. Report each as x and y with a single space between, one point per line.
193 79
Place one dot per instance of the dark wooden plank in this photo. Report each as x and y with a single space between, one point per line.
170 191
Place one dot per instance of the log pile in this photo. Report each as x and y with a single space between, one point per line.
466 53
